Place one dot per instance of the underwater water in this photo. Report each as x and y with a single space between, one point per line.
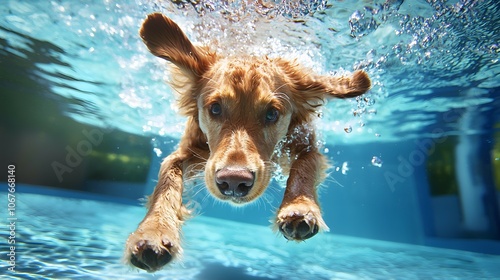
424 58
415 161
73 238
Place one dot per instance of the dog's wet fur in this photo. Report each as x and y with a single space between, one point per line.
239 110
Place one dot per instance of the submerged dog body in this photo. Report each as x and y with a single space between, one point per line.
240 111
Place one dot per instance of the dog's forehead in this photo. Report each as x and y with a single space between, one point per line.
236 79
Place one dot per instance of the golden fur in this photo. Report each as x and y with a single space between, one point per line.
240 110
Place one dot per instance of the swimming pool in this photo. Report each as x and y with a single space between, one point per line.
414 187
63 237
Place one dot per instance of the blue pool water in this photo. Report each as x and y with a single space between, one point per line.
60 237
425 59
414 188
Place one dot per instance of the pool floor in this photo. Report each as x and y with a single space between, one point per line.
68 238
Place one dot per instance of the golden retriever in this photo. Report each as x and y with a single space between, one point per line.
245 114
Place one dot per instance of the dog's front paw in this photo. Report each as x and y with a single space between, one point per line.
150 249
300 220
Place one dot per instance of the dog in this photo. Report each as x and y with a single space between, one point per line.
245 115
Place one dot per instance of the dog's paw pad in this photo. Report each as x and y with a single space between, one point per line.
150 259
298 227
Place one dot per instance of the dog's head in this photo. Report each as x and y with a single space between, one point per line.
244 106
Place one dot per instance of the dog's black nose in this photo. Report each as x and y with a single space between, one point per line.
234 181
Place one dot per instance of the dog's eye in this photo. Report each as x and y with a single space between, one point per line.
272 115
215 109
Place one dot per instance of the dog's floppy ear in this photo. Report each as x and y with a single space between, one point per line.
308 91
165 39
346 86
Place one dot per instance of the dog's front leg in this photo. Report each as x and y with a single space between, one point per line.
157 239
299 216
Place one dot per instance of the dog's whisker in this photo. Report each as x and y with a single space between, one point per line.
332 180
278 88
194 172
192 180
196 168
285 98
201 189
197 155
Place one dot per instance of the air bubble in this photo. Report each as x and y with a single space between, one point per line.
345 168
376 161
278 175
158 152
